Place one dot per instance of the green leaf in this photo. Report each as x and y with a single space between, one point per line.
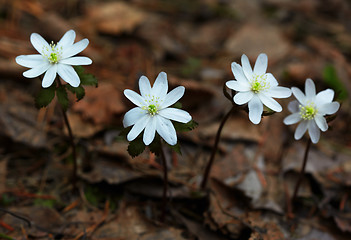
185 127
177 105
176 148
155 146
78 91
45 96
86 79
136 147
62 97
331 78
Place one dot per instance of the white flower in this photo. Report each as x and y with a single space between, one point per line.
310 110
256 87
55 58
153 112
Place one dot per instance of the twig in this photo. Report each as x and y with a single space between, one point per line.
17 216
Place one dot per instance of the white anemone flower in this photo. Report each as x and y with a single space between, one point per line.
55 59
153 113
310 110
256 87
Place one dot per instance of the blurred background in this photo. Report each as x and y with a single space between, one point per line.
194 42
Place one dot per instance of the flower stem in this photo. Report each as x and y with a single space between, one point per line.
74 174
215 147
165 183
302 173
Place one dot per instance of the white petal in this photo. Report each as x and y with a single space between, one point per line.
270 102
67 40
279 92
238 86
38 42
313 131
310 89
245 63
75 48
36 71
299 95
30 61
243 97
150 130
132 116
175 115
49 76
75 61
292 119
294 106
261 64
68 74
160 86
321 122
138 127
300 130
329 108
271 80
144 86
165 128
173 96
324 97
238 72
134 97
255 110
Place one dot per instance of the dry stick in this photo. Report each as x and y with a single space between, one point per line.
74 175
214 150
165 183
302 173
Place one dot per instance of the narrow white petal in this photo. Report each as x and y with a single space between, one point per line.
261 64
300 130
329 108
299 95
75 61
38 42
173 96
134 97
245 63
271 80
68 74
67 40
313 131
238 72
243 97
238 86
279 92
160 86
310 89
270 102
255 110
49 76
138 127
75 48
36 71
150 130
324 97
321 122
292 119
294 106
132 116
30 61
165 128
175 115
144 86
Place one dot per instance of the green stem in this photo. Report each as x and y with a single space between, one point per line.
74 154
165 184
215 147
302 172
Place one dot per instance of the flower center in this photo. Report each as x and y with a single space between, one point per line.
259 83
152 109
308 112
52 53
